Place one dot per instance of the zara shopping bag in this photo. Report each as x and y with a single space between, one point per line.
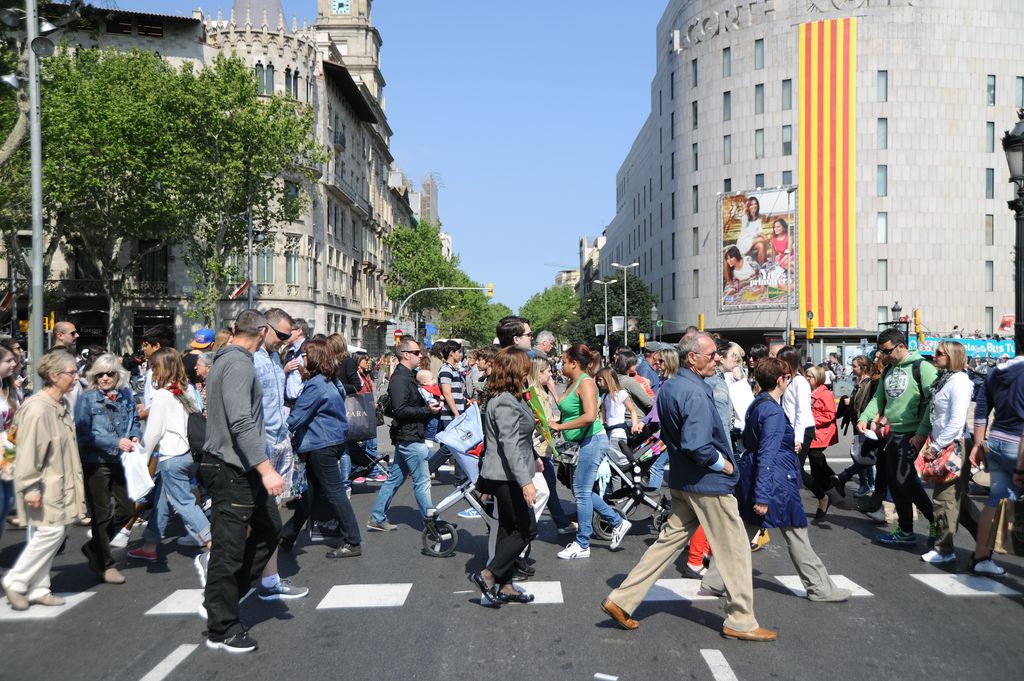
362 417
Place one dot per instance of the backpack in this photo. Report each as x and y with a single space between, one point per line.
384 408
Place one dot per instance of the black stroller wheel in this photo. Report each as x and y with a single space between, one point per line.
440 539
602 528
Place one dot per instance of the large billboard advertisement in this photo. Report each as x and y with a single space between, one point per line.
757 249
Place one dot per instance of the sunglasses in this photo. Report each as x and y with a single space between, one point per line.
281 335
414 352
940 353
887 351
107 374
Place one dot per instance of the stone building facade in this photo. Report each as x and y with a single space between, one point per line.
935 84
331 265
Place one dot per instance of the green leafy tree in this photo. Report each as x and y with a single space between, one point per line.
552 309
468 314
240 153
591 312
417 262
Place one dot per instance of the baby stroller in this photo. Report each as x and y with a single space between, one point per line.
440 537
625 491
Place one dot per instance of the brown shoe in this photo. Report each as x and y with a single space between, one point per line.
759 634
619 615
48 599
112 576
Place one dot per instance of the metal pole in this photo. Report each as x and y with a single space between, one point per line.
248 264
1018 267
36 155
606 346
789 277
625 309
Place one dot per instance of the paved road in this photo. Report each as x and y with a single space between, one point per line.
397 614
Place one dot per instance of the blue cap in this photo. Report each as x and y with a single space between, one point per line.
203 339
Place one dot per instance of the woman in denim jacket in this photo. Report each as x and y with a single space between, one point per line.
320 430
106 424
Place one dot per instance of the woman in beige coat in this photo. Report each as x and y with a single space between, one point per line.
47 480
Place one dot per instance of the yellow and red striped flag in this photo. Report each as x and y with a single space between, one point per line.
827 177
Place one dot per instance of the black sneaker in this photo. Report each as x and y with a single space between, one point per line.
239 643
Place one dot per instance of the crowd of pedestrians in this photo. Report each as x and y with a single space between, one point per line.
254 421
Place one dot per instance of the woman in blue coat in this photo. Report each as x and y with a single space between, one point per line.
769 486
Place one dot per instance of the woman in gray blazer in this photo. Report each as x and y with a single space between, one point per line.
506 472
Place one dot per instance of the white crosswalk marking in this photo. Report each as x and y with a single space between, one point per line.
365 596
677 590
181 602
544 592
42 612
965 585
793 583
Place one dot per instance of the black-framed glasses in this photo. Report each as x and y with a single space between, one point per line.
528 334
73 372
415 352
887 351
107 374
709 355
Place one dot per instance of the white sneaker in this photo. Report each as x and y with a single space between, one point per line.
574 551
936 557
188 540
986 567
120 540
201 611
619 532
202 564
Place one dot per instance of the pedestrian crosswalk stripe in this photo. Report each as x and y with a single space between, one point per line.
43 612
544 592
365 596
677 590
181 602
965 585
793 583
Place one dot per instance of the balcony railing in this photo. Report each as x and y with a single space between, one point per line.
93 287
349 194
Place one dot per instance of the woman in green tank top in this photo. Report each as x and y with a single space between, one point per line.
581 423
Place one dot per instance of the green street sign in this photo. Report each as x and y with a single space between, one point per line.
660 323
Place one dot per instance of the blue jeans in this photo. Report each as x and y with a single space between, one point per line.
7 500
587 500
345 466
174 490
1001 460
410 460
656 474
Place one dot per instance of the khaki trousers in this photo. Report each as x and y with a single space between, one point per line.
952 504
719 516
31 573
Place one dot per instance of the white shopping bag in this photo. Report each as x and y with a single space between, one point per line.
464 432
136 473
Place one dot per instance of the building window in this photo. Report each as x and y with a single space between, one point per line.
990 137
295 84
672 85
693 111
693 73
759 54
759 98
990 183
672 167
883 275
787 140
882 227
787 94
673 286
673 245
882 180
883 86
288 82
261 83
265 267
269 89
759 180
727 184
696 283
1018 98
787 177
726 62
990 321
759 143
672 125
152 28
990 93
726 106
672 212
990 230
882 134
291 268
881 314
696 199
696 241
990 278
727 149
695 161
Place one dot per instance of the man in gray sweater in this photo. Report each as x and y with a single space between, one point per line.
242 483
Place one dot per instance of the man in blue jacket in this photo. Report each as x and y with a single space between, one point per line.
701 478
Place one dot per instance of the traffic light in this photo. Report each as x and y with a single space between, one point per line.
792 337
643 340
53 320
490 290
917 325
700 321
810 329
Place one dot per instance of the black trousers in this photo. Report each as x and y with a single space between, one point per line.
904 484
324 476
819 480
246 526
104 482
517 527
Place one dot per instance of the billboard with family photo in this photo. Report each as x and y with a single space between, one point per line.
757 249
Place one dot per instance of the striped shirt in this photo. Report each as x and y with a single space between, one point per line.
451 377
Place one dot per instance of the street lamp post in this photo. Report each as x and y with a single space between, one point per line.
896 311
606 284
35 340
1013 145
654 321
625 300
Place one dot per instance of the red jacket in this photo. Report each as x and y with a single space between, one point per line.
823 406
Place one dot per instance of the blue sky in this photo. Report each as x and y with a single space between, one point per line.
524 110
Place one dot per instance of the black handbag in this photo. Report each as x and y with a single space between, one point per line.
196 433
362 417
